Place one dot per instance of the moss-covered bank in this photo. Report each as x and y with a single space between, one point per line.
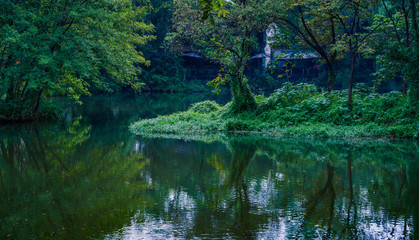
297 110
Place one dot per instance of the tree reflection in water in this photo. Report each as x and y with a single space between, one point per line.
89 178
255 187
54 189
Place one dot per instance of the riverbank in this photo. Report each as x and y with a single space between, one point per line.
21 112
297 110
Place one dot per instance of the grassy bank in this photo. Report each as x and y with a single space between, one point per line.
297 110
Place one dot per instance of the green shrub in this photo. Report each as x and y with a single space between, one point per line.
291 94
236 125
205 107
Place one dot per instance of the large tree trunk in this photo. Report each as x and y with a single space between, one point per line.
332 76
243 99
404 87
38 101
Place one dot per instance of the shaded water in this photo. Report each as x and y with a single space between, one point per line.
88 177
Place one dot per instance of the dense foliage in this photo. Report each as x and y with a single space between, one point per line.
339 29
62 47
227 38
68 48
396 45
165 71
334 30
299 110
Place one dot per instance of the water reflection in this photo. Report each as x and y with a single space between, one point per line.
79 178
261 188
54 189
87 177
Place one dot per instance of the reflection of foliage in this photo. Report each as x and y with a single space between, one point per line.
66 143
67 192
320 170
317 188
217 163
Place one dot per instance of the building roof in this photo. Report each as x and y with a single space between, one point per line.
260 55
292 55
192 54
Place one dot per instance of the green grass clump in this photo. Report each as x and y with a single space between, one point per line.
188 122
297 110
205 107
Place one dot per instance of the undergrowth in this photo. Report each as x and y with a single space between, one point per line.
21 111
298 110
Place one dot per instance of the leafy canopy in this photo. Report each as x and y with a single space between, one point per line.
64 47
228 39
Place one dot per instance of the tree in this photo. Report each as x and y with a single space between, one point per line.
414 61
165 71
396 44
354 18
63 47
393 41
228 39
313 25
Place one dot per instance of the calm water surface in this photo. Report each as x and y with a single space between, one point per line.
88 177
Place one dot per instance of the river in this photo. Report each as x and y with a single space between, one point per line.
87 177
